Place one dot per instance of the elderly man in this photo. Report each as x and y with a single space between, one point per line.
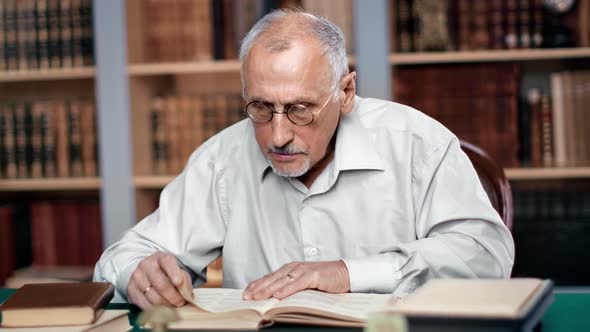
318 189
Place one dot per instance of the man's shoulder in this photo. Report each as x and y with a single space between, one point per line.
400 119
229 144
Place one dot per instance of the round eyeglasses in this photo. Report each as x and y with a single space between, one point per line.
298 114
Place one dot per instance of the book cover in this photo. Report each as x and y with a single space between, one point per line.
56 304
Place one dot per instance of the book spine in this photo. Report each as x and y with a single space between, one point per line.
48 133
62 156
197 120
158 136
36 140
9 142
534 101
87 36
75 135
10 34
7 245
42 32
464 13
66 33
496 25
88 137
537 23
31 36
511 14
76 38
3 65
524 17
20 115
53 24
171 109
547 131
21 33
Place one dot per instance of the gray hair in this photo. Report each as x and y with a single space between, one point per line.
328 34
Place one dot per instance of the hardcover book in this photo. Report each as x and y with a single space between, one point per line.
56 304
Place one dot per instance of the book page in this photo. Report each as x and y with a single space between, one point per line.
353 305
225 299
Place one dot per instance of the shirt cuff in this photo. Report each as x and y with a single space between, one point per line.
373 274
123 278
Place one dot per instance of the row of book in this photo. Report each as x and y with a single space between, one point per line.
49 234
181 123
480 111
41 34
184 30
48 138
446 25
550 230
554 123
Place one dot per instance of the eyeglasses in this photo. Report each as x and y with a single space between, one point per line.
298 114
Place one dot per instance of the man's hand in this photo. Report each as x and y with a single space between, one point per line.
159 280
331 277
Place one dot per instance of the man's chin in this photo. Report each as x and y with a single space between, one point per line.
289 172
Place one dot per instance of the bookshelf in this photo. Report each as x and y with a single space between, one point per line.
400 59
56 74
47 184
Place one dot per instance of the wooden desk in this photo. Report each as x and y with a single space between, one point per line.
569 312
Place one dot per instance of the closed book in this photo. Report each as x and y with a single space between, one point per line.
56 304
477 304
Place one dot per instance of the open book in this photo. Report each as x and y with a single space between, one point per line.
219 308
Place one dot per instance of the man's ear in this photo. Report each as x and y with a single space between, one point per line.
347 92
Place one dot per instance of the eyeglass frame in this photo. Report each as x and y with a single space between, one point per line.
286 111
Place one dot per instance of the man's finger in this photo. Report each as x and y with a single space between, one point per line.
294 285
186 289
280 280
154 297
258 286
164 288
137 297
170 266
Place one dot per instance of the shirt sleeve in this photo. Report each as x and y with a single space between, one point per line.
189 224
459 234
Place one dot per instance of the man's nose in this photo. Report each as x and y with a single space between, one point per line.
282 129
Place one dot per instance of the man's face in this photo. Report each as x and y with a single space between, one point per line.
299 75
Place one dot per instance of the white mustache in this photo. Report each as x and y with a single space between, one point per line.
287 149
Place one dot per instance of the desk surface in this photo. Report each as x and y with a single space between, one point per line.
569 312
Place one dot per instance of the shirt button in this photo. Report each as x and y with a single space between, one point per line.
313 251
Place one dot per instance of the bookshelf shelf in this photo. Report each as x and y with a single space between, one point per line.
547 173
152 182
193 67
49 184
47 74
488 56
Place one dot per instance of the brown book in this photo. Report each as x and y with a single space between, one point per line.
159 137
65 16
547 131
56 304
43 234
49 274
62 155
534 101
88 137
21 139
223 308
75 136
2 48
37 110
9 142
42 28
7 249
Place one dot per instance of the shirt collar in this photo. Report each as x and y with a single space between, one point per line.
354 150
